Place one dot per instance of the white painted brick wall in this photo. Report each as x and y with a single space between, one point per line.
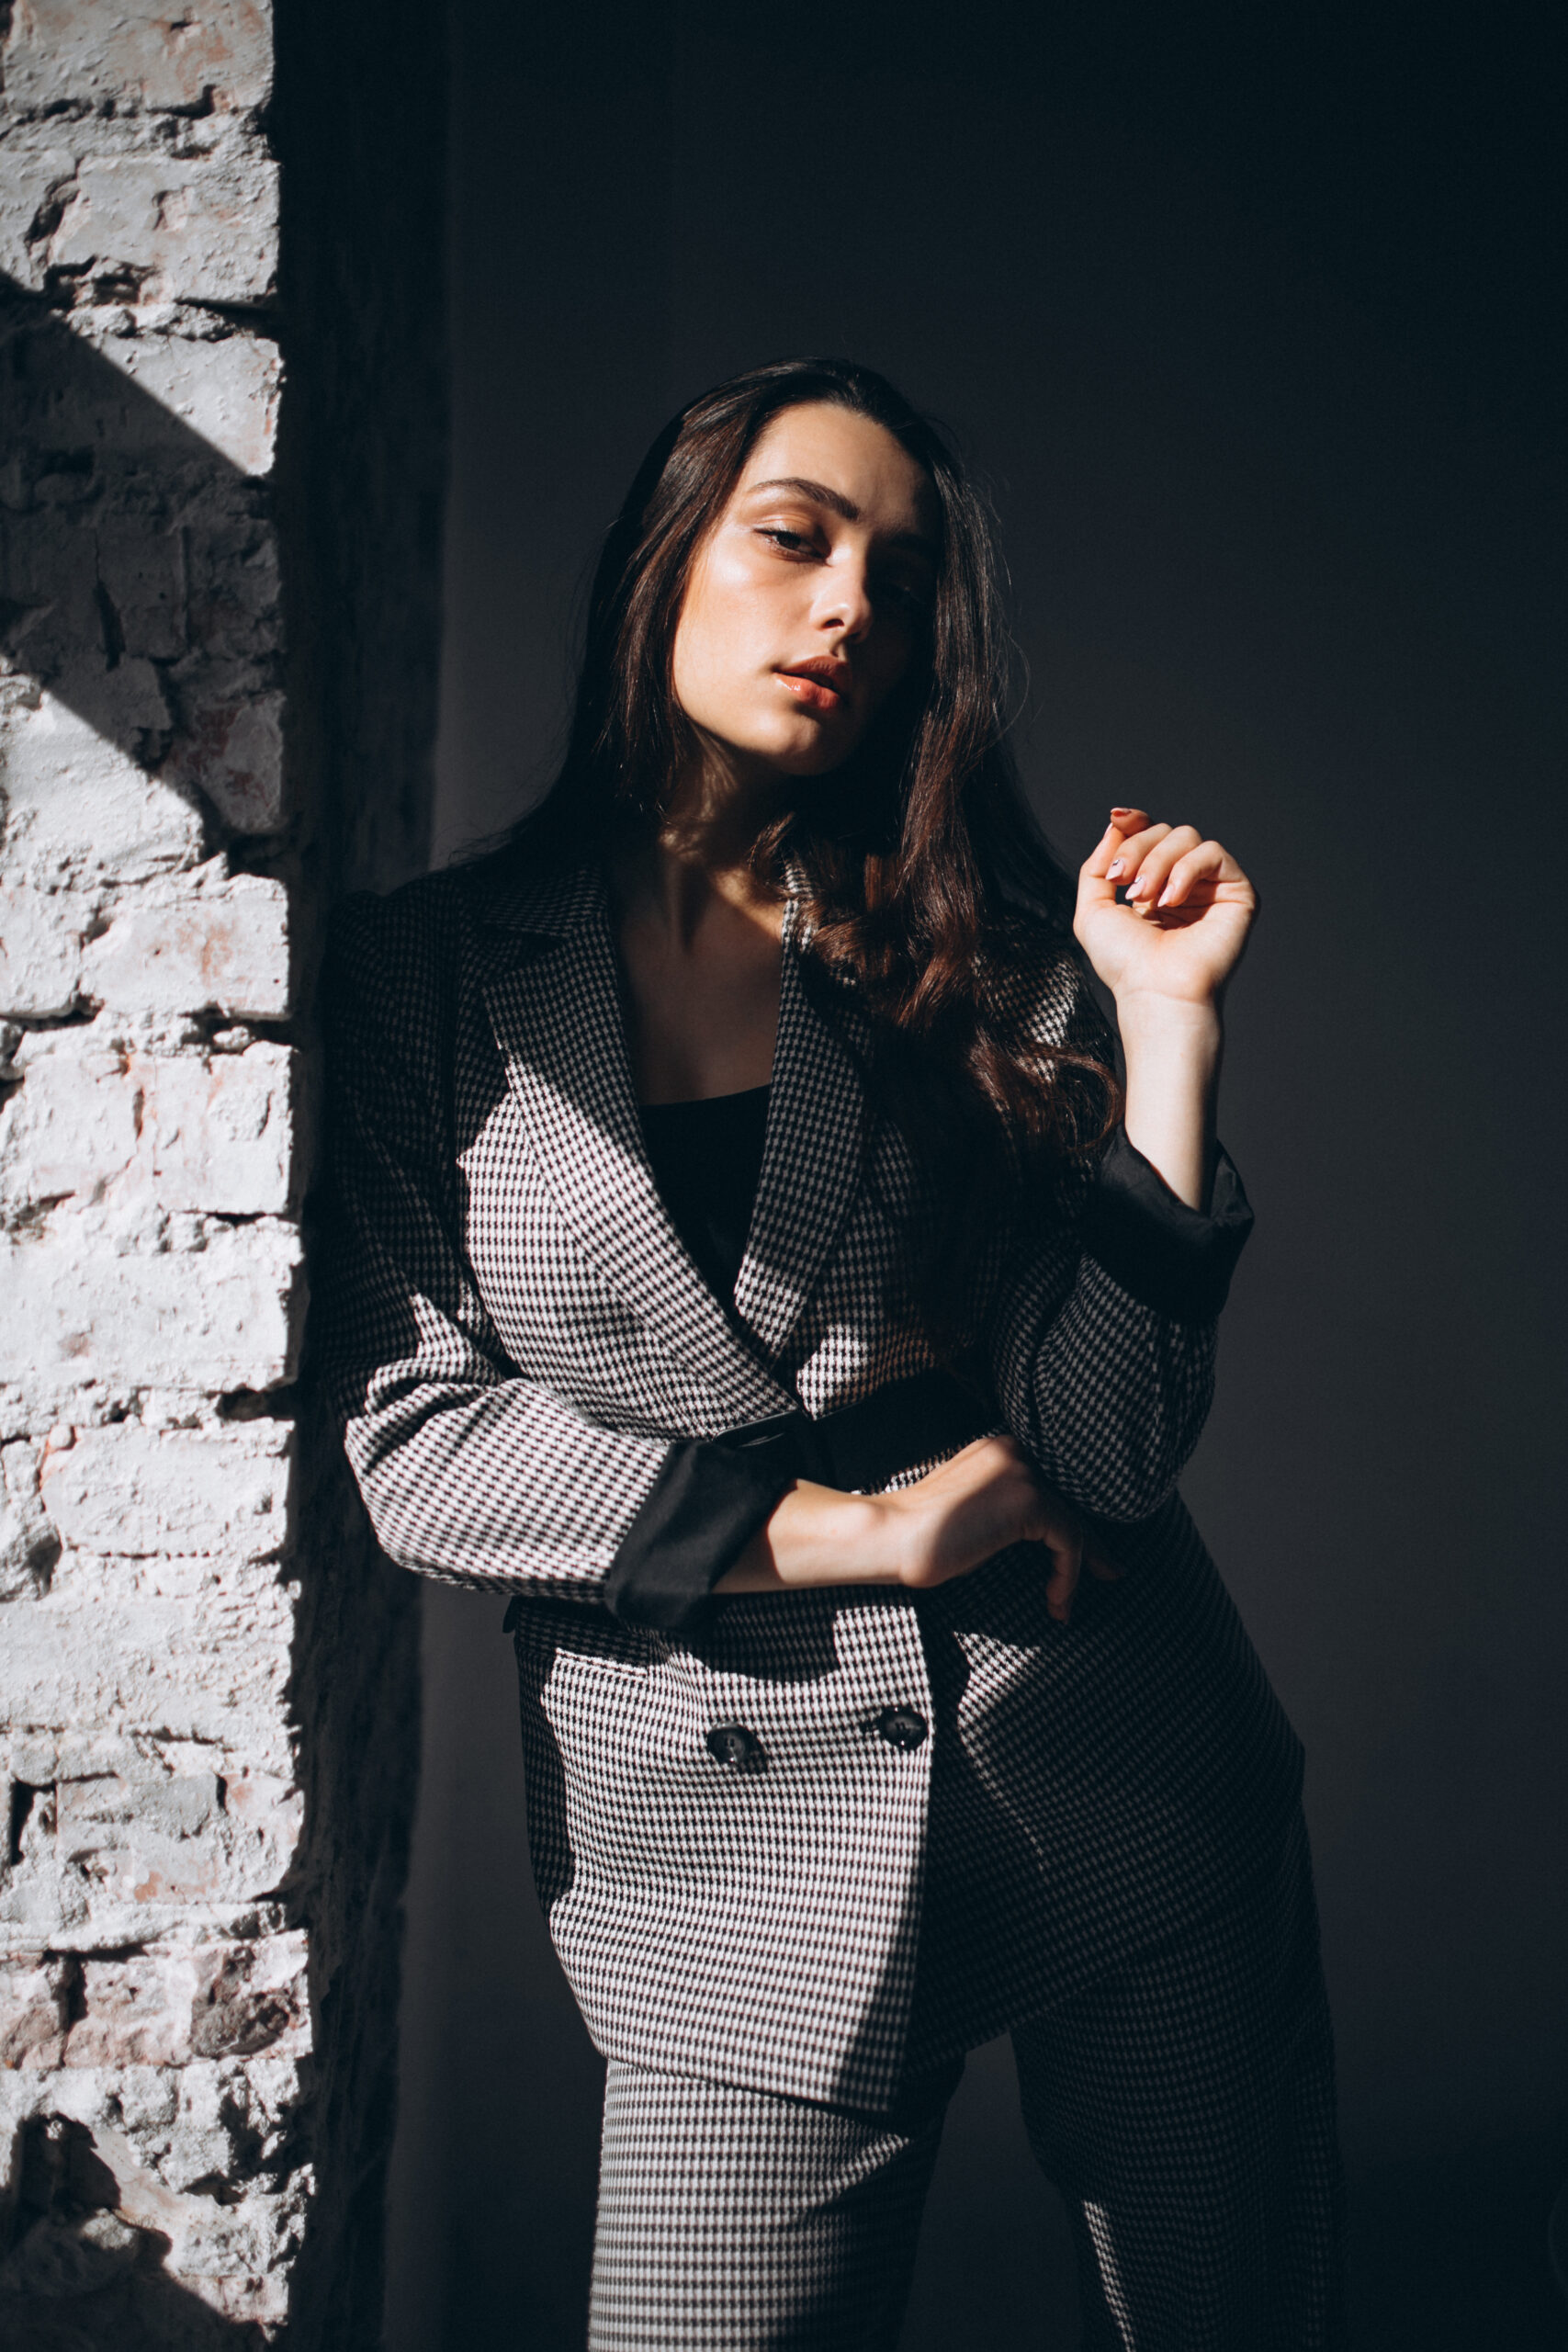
155 2008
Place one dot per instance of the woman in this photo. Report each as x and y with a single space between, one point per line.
739 1261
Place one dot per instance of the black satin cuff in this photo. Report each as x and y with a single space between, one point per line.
1176 1260
708 1502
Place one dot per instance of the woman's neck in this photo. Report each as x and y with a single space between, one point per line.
701 854
699 944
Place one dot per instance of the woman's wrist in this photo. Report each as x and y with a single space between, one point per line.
1171 1050
815 1535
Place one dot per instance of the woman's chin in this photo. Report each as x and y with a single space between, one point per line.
816 754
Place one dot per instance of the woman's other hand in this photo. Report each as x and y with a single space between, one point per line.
987 1497
1166 954
945 1525
1187 912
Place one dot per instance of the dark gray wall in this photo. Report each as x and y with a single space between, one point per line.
361 484
1250 324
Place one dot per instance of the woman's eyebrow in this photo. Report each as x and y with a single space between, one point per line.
818 492
835 501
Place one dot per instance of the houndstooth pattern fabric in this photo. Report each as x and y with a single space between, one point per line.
512 1333
1184 2107
730 2219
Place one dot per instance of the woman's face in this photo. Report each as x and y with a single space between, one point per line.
810 595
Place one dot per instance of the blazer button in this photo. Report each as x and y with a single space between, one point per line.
901 1727
732 1744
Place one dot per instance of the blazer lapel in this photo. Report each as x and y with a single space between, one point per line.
551 987
811 1161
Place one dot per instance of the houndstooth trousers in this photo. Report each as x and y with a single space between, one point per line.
1184 2108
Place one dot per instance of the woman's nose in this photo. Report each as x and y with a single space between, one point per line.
845 601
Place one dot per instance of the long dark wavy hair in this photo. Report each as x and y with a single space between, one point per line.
922 863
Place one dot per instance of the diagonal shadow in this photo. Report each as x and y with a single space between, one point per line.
138 576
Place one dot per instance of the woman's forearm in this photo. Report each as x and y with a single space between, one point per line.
958 1516
815 1535
1172 1054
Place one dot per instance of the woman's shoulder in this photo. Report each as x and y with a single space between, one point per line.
427 924
414 920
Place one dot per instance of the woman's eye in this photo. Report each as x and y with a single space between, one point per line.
793 542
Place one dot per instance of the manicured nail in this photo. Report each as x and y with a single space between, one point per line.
1134 888
1163 898
1114 869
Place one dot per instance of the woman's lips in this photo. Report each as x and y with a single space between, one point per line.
814 692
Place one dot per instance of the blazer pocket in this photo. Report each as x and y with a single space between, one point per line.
546 1630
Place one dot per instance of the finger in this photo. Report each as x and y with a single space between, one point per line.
1099 859
1207 862
1133 849
1149 878
1065 1547
1122 822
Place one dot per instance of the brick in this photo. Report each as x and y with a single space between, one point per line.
224 946
230 747
41 950
202 1132
79 807
71 1128
41 170
33 1998
218 1133
162 2132
139 56
190 229
233 599
162 2008
224 391
221 1317
151 1836
141 574
129 1490
133 382
151 1853
213 1668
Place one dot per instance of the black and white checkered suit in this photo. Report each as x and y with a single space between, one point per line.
514 1336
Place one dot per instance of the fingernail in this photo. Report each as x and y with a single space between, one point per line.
1134 887
1114 869
1163 898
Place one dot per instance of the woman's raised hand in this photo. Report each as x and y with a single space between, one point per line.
1188 909
946 1524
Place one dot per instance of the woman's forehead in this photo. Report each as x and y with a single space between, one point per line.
867 474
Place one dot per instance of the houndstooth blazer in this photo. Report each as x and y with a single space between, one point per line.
514 1336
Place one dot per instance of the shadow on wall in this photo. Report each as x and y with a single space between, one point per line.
87 2269
137 564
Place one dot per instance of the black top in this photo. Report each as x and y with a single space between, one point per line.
706 1159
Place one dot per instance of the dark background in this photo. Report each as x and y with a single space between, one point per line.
1251 319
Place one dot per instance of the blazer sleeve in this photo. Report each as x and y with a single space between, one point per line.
469 1470
1101 1340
